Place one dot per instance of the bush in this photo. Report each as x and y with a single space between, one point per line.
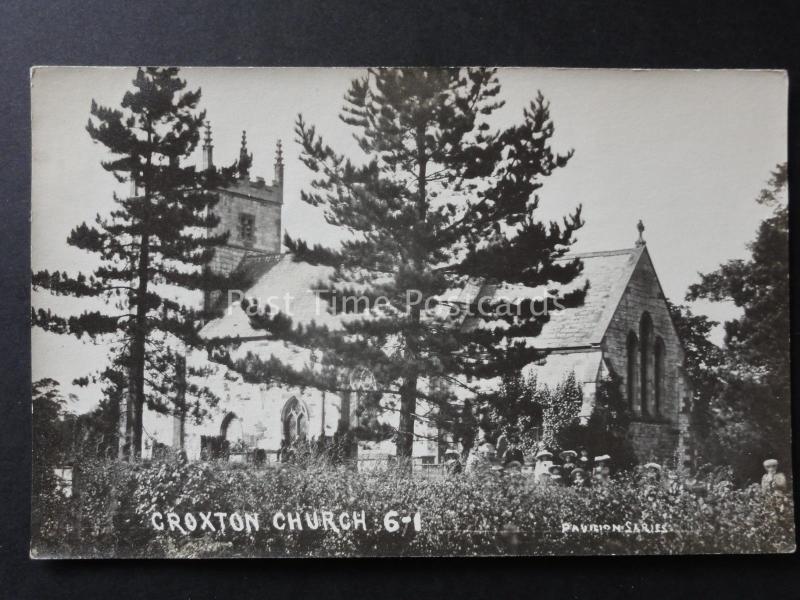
110 514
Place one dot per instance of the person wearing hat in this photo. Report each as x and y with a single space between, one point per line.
556 477
601 461
568 458
583 461
513 467
544 460
579 477
773 481
602 470
652 472
488 451
651 481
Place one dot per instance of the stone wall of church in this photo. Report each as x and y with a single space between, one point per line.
656 442
656 431
255 415
251 413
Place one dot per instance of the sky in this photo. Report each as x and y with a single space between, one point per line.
684 151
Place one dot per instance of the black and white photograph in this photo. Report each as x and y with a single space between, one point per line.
407 311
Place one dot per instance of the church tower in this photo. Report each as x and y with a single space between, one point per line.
249 210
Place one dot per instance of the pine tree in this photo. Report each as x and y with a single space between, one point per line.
152 244
439 201
750 397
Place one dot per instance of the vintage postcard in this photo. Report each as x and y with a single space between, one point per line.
308 312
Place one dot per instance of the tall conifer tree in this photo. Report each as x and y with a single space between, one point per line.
154 242
440 200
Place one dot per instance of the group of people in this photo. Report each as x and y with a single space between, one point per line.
580 469
569 468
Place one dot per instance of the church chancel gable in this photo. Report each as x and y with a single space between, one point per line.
622 329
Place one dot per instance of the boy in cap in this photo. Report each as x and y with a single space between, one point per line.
772 481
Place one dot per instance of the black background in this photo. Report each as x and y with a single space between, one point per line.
568 33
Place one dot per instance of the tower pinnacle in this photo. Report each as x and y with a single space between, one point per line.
208 148
245 159
278 180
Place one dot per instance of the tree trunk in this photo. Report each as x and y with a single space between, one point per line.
138 349
408 407
125 420
139 340
179 418
408 391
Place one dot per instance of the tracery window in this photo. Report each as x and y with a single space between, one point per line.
295 420
645 358
632 371
658 375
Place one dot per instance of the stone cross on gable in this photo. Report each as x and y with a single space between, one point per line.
640 242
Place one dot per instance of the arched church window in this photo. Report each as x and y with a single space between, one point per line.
645 357
633 357
295 420
658 375
232 428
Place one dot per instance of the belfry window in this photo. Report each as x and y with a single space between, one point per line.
247 228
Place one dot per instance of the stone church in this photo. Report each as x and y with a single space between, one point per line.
623 327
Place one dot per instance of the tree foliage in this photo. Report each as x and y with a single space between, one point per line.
49 407
747 388
153 242
535 416
440 200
